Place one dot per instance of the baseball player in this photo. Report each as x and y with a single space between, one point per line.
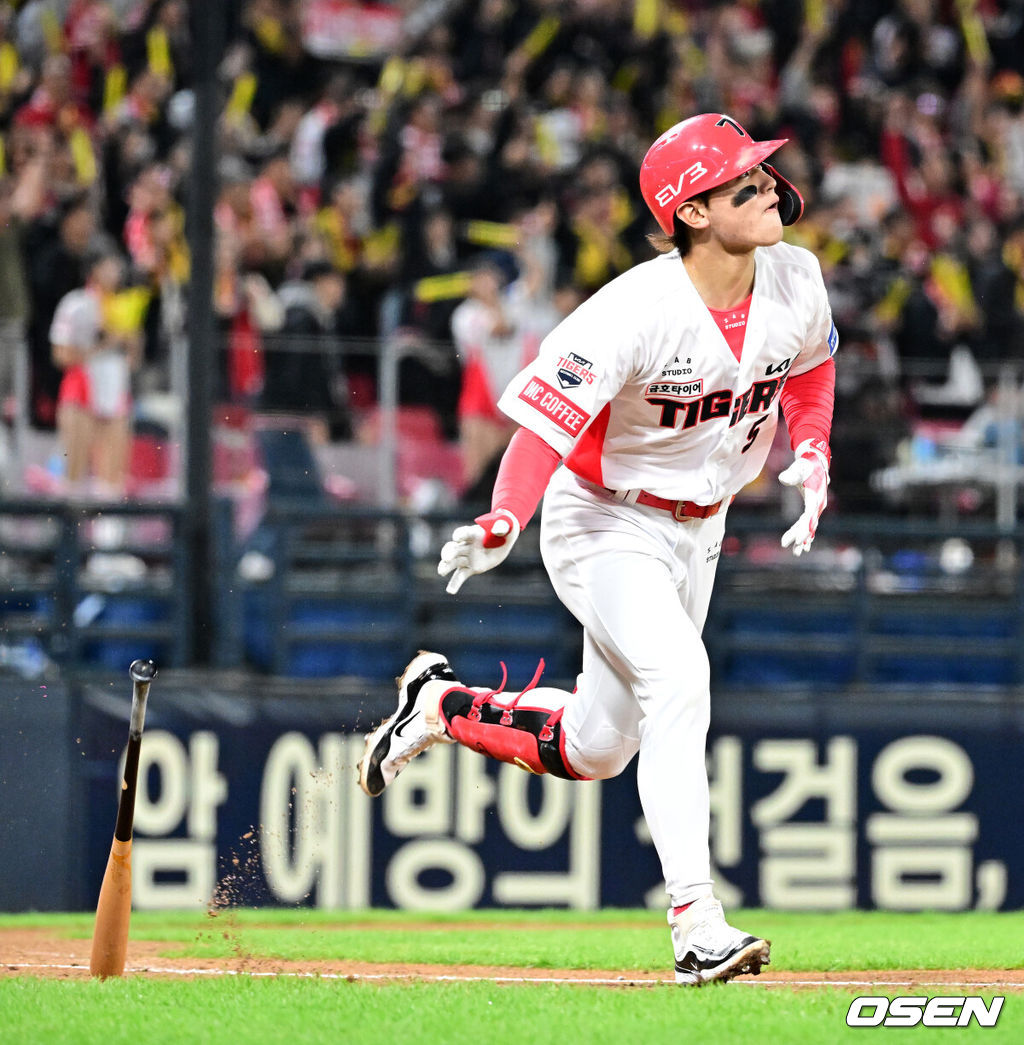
659 396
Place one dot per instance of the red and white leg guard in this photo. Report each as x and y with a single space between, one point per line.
521 733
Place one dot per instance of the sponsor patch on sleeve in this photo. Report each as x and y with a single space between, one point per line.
833 340
549 402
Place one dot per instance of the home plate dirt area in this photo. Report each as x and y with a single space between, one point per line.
44 953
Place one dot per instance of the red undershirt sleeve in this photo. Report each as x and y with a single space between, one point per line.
807 402
527 465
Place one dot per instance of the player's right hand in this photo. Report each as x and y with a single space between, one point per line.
809 474
478 548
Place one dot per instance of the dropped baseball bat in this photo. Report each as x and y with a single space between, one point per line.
114 908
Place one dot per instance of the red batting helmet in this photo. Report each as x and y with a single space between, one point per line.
698 155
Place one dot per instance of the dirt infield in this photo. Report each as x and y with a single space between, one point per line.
44 953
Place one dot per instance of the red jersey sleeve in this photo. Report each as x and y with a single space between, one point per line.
527 465
807 403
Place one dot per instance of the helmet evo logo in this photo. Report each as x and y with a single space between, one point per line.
670 192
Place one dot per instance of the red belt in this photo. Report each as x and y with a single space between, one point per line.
680 509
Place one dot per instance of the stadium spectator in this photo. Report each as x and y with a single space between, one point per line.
602 236
157 34
493 347
307 151
97 345
303 373
15 76
22 198
993 287
497 330
53 103
245 306
55 246
273 200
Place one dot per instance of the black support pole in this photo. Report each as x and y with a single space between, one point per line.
208 46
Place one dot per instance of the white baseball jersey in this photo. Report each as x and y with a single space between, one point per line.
638 389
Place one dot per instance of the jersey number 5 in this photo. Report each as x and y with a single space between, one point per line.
752 434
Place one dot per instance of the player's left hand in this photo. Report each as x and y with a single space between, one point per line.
809 472
478 548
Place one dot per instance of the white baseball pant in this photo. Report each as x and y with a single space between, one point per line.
639 582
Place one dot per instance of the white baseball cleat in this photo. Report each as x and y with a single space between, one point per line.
707 948
413 728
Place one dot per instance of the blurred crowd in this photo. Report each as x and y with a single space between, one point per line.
457 175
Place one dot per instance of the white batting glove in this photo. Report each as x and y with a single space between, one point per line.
478 548
809 472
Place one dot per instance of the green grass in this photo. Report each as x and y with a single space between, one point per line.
609 939
237 1010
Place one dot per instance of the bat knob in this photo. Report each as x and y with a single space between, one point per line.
142 671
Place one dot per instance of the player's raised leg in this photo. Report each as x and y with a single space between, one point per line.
523 728
652 659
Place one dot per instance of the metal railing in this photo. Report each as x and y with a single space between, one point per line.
877 602
322 590
95 584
